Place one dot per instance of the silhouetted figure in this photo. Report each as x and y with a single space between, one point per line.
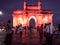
9 33
30 28
38 28
20 28
49 32
41 33
16 29
56 36
25 28
2 34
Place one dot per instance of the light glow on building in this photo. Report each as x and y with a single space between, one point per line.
39 15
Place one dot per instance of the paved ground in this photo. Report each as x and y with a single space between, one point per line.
28 38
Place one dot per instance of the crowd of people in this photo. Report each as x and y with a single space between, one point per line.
6 32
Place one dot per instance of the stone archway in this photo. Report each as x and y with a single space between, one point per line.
32 22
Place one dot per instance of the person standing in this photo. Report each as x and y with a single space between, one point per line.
9 35
41 33
20 28
49 33
2 34
56 36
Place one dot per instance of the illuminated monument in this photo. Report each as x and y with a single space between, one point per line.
32 15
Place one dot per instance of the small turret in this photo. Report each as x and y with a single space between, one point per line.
25 4
39 4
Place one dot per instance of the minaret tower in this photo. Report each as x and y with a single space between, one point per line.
39 4
25 4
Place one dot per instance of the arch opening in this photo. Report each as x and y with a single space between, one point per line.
32 22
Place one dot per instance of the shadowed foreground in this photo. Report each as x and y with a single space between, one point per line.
28 38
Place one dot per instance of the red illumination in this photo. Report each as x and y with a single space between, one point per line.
24 16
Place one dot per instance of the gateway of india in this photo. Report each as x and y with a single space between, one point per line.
32 15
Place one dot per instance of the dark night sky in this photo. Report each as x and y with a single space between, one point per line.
7 7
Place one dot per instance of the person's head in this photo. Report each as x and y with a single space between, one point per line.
20 24
45 25
9 21
41 24
2 26
49 23
25 27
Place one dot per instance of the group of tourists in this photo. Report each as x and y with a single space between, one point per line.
6 32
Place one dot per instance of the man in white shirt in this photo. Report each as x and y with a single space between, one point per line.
20 28
49 32
49 28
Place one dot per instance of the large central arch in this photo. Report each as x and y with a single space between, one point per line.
32 21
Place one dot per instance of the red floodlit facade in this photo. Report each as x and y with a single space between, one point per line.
32 12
